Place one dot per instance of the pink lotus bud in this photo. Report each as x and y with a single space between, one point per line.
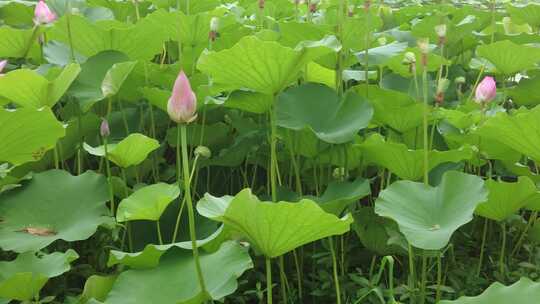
3 64
486 90
182 106
104 128
43 14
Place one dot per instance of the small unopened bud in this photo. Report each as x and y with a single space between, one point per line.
203 152
382 40
214 28
441 33
43 14
460 80
104 128
350 10
367 5
486 90
261 4
423 45
409 58
182 105
3 64
339 173
313 6
442 86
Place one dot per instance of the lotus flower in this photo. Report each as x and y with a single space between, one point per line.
182 105
486 90
43 14
104 128
3 64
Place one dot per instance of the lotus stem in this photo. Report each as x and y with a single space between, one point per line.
423 282
503 248
439 278
425 125
335 270
109 176
482 247
70 35
182 143
268 281
412 276
531 222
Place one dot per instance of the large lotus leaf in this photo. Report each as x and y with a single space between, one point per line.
147 203
406 163
338 195
263 66
174 280
213 207
428 216
54 205
27 88
23 278
249 101
26 134
371 230
381 54
523 291
505 199
529 13
102 76
87 38
526 93
394 109
320 109
508 57
520 131
130 151
97 287
277 228
14 43
150 256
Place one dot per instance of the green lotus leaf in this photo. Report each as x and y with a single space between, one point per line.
174 280
97 287
53 205
214 134
130 151
150 256
509 57
404 162
381 54
520 292
249 101
15 42
506 199
214 207
371 230
262 66
338 195
320 109
147 203
393 109
428 216
526 93
23 278
520 131
277 228
26 134
27 88
529 13
102 76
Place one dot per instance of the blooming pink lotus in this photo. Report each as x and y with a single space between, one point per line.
182 106
486 90
43 14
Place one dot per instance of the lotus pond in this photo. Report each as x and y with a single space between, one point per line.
269 151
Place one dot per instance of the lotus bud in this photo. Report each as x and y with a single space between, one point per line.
350 10
43 14
486 90
203 152
442 86
313 5
182 106
339 173
367 5
3 64
104 129
423 45
261 4
460 80
381 40
441 33
410 59
214 28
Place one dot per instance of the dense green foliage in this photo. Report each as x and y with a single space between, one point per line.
342 151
